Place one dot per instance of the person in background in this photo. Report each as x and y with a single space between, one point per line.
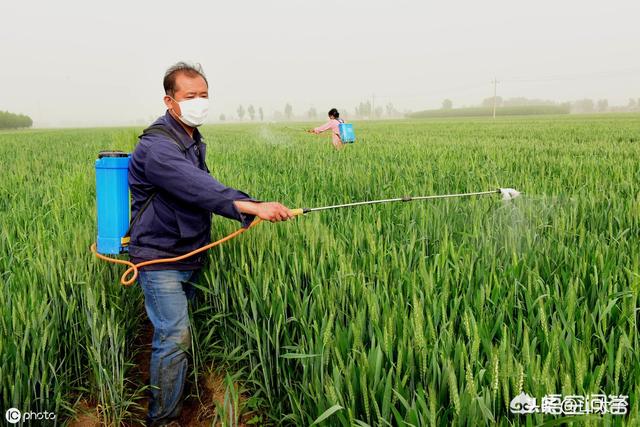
332 124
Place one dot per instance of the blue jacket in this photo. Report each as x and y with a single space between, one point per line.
178 218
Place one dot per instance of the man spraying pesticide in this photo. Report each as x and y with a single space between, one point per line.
172 199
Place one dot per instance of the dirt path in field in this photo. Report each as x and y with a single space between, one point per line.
196 412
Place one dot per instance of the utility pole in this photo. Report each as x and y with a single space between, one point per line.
373 106
495 84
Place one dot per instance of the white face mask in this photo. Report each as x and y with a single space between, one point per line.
194 111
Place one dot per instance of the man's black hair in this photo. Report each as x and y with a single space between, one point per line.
191 70
333 112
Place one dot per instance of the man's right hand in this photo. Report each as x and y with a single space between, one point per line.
274 212
268 211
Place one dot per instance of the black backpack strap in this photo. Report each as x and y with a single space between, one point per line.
125 238
153 130
161 130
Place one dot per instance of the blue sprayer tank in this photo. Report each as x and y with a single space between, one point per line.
112 201
347 135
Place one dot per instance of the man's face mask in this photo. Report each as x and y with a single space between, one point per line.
194 111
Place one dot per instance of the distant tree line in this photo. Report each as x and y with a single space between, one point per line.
602 106
14 121
514 110
364 110
526 106
580 106
251 110
510 106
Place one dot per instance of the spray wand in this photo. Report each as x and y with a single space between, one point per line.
131 274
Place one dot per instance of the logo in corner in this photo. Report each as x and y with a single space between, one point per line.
523 404
13 415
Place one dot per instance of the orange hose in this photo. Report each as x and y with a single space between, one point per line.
133 268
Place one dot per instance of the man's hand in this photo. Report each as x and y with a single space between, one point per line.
274 211
269 211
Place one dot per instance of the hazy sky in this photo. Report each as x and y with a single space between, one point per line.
83 62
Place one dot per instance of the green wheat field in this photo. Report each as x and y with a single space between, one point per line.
422 313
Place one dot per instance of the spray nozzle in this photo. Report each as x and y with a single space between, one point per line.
509 193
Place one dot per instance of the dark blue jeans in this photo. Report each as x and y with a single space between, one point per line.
166 296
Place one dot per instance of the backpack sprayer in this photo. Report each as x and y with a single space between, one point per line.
345 131
112 200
